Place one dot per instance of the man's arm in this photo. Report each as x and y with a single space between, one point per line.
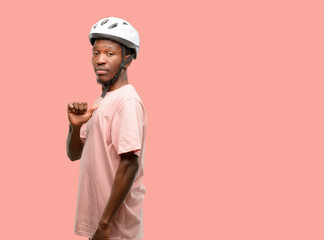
78 114
123 181
74 144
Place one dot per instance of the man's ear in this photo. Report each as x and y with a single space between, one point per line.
126 57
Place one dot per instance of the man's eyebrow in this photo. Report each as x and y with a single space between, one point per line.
110 48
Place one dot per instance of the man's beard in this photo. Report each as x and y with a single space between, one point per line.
98 81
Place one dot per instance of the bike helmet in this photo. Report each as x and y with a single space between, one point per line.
118 30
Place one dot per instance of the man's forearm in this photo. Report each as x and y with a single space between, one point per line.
74 144
123 181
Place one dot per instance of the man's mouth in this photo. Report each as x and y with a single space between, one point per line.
101 71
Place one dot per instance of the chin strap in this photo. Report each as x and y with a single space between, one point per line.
108 84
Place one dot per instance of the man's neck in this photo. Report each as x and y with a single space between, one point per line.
118 84
121 81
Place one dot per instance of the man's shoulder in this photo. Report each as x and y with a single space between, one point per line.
121 97
128 92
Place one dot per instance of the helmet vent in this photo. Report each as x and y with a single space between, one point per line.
104 21
94 27
113 26
125 23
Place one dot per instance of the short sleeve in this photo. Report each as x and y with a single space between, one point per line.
127 127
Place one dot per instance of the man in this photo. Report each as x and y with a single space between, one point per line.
109 140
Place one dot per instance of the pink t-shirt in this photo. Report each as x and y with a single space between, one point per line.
117 126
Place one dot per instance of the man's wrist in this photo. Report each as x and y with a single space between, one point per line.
75 128
104 223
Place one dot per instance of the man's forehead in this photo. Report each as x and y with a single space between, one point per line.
107 43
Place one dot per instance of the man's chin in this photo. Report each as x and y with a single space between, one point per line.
102 81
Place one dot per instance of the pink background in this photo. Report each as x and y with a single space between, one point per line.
234 94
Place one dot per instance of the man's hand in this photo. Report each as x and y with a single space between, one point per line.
79 114
101 233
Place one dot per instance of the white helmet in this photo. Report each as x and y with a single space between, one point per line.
117 30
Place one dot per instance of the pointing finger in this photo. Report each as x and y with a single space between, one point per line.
93 108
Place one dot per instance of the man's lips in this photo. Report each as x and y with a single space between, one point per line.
101 71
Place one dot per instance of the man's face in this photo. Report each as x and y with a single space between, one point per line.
106 59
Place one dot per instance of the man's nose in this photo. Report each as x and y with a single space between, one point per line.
102 59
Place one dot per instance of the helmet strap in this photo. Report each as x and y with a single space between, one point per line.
122 65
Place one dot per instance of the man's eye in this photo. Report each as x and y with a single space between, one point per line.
110 54
95 54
